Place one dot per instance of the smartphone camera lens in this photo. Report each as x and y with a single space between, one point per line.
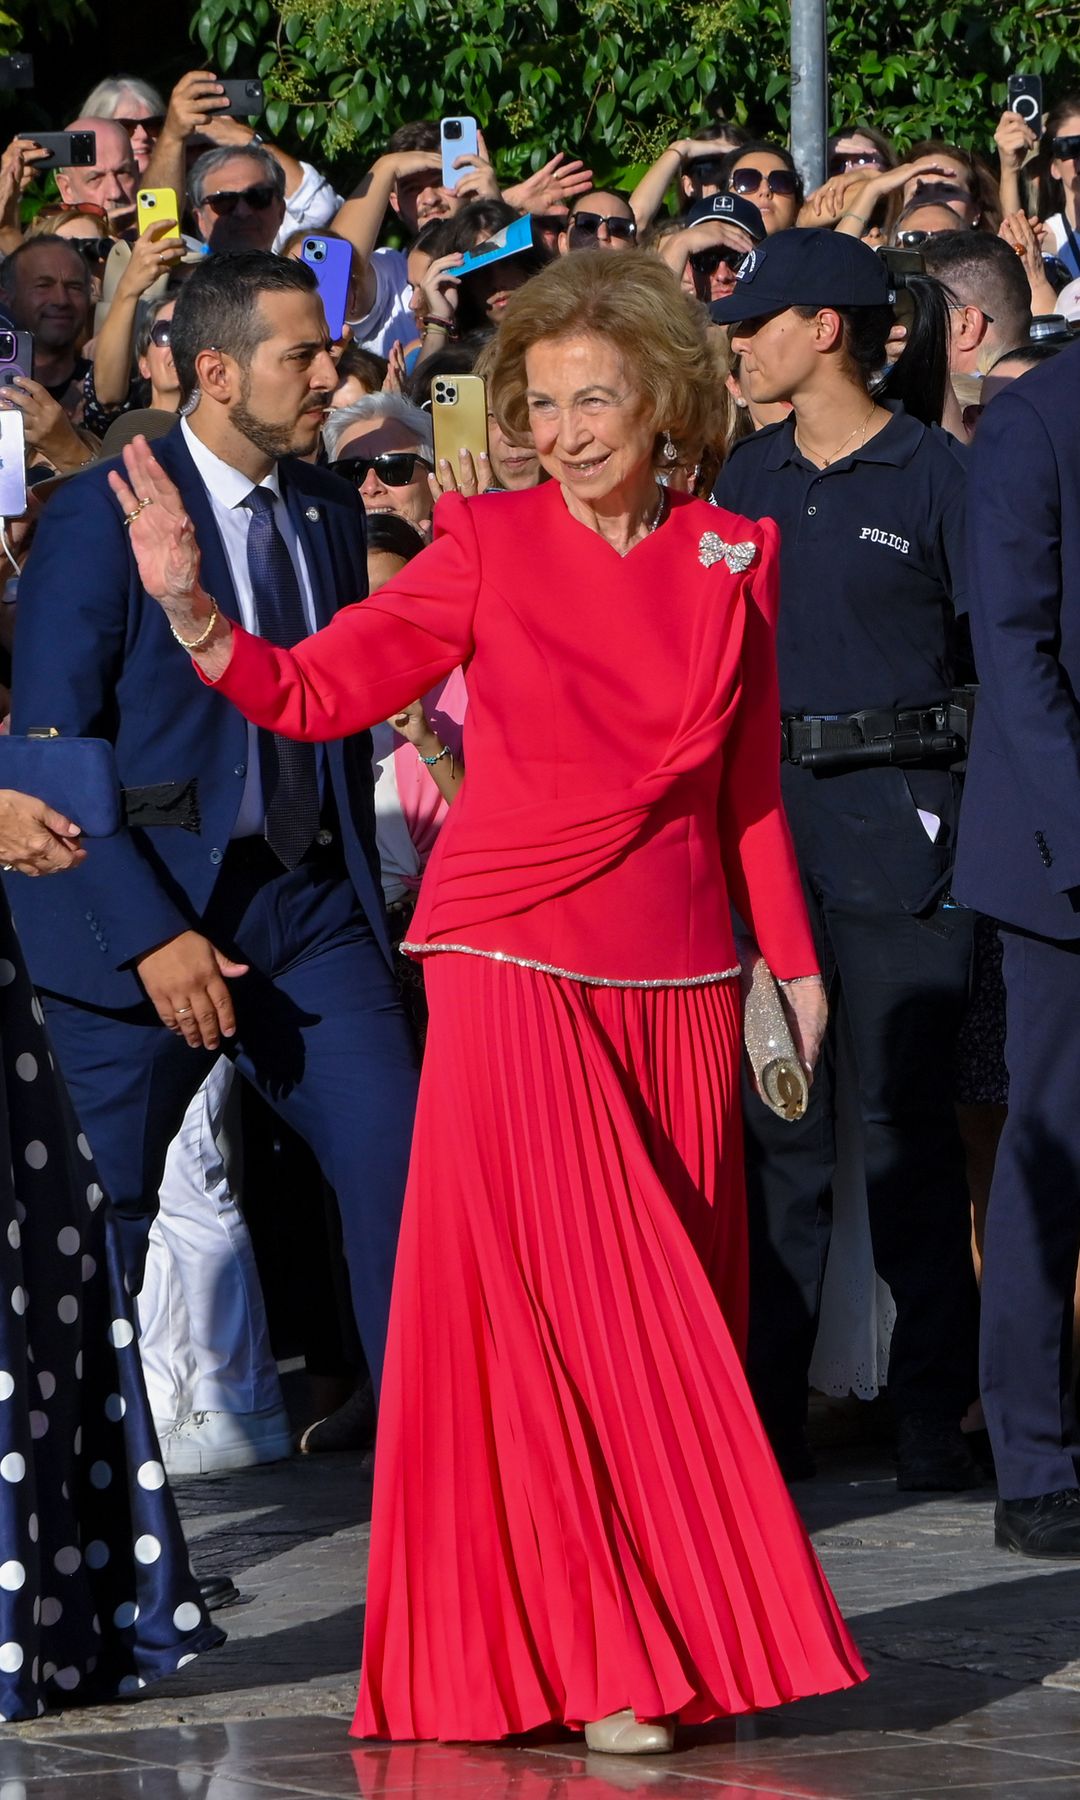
453 128
8 346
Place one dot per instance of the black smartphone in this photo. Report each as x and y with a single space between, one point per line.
16 71
67 149
901 262
1026 98
246 98
16 355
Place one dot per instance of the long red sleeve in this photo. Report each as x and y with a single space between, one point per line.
759 858
373 658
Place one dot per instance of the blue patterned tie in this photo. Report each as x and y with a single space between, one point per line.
289 770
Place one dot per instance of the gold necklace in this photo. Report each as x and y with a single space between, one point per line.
827 461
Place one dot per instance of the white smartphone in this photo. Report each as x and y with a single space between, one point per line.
457 137
12 465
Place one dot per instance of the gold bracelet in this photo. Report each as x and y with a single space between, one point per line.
204 636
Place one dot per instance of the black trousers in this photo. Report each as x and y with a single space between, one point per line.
898 963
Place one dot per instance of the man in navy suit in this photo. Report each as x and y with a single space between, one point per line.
241 907
1019 861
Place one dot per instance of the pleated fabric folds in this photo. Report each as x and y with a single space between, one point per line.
576 1509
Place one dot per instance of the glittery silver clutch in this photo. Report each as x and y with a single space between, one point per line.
770 1047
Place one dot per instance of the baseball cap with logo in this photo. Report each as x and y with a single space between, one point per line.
805 268
733 209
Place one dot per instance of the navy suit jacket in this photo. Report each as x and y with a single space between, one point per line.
94 657
1018 854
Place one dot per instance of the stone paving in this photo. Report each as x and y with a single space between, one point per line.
975 1659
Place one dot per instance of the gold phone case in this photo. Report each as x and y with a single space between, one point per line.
155 204
459 416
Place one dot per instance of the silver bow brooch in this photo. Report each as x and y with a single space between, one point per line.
712 549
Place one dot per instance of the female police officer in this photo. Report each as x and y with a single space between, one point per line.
869 501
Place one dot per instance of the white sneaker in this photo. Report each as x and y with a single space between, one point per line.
207 1442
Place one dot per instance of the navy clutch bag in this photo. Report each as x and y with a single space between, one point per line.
76 776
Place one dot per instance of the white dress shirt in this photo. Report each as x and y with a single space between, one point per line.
228 489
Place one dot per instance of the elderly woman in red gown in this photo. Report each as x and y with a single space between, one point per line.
576 1514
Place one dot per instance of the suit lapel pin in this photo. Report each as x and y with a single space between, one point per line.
313 515
712 549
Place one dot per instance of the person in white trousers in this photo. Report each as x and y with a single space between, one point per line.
210 1374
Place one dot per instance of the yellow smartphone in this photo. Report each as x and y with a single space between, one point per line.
155 204
459 416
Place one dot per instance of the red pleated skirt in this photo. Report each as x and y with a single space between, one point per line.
576 1509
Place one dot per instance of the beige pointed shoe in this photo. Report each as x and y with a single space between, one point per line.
621 1734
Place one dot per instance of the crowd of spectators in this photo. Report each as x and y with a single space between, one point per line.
994 234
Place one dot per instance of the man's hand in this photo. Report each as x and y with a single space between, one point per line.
185 980
807 1012
34 839
47 426
550 188
194 101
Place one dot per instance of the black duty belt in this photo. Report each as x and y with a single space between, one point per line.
906 735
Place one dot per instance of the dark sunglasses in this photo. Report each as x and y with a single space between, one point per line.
161 333
587 224
914 240
93 249
153 123
778 181
706 262
394 468
1067 148
258 198
843 160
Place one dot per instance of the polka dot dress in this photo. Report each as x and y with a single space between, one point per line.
96 1594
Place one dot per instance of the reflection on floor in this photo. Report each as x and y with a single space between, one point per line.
974 1656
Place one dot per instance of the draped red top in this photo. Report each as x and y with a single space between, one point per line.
621 744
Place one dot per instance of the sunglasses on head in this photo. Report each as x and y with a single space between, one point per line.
258 198
394 468
843 160
778 181
587 224
706 262
153 123
161 333
1067 148
78 209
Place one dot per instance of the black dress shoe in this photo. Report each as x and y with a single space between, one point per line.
933 1458
1047 1526
217 1591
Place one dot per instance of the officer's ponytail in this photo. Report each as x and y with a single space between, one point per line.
919 377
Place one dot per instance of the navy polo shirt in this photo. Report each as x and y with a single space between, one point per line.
871 563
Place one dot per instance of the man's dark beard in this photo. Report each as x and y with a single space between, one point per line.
272 439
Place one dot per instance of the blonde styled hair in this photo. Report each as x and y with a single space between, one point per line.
636 303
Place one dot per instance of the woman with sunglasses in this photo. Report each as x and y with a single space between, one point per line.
135 105
765 174
602 220
382 445
1059 183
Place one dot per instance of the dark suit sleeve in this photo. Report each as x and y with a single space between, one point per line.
74 614
1014 579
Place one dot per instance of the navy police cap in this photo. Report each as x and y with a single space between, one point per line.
731 207
805 268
